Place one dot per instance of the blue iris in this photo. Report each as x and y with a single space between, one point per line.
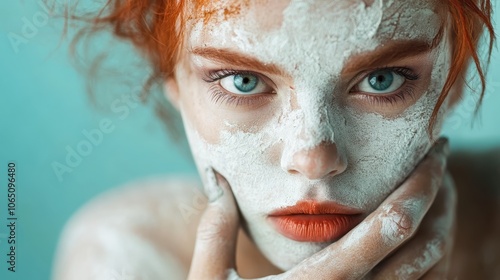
381 80
245 83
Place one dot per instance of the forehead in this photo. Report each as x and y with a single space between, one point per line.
283 31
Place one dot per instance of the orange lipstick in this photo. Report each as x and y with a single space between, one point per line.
312 221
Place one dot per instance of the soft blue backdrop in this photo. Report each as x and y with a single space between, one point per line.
44 109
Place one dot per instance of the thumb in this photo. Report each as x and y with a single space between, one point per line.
215 249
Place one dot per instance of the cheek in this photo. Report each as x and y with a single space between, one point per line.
380 154
194 107
211 129
219 138
239 157
383 151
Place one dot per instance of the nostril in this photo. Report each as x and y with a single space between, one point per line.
333 172
316 163
293 171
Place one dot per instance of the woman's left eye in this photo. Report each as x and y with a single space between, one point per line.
244 84
381 82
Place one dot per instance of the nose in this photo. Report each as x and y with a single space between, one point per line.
323 160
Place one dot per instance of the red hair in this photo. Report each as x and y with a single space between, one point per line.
156 29
469 18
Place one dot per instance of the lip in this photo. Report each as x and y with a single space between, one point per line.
313 221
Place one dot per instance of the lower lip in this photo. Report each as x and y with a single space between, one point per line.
315 228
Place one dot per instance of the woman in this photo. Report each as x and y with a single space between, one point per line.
314 127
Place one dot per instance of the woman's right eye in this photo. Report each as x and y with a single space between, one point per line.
244 84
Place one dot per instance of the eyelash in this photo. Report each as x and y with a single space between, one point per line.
407 90
216 75
220 95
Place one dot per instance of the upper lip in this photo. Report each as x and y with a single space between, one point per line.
312 207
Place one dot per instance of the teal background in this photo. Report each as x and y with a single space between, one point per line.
44 107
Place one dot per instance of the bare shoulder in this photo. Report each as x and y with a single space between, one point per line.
144 229
477 243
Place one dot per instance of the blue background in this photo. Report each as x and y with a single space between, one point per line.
44 107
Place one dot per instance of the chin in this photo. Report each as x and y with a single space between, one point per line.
281 251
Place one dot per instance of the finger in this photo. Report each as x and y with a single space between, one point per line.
214 253
392 223
428 252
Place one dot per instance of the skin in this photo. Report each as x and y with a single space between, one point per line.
314 138
400 241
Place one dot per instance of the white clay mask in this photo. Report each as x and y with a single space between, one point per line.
311 41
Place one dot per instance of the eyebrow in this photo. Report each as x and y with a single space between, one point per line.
387 53
225 56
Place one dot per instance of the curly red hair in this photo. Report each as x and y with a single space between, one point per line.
155 28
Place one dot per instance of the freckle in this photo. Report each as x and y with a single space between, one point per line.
293 102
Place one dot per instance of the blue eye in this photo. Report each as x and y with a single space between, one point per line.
381 81
244 84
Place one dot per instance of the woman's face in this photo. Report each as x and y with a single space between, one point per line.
324 101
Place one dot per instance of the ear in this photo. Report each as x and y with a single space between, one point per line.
171 91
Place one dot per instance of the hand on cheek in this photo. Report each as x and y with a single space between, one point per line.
427 254
393 241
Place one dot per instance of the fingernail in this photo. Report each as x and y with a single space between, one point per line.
212 188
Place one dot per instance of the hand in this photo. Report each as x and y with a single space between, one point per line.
382 246
427 255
